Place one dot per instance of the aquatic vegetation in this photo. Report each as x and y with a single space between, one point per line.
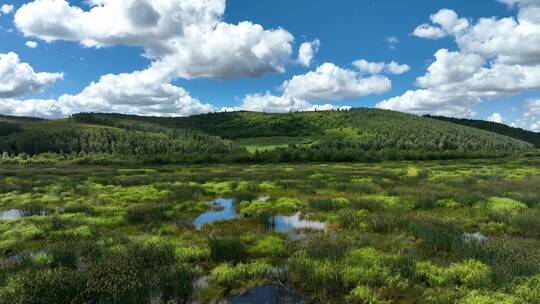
228 277
227 248
469 273
271 246
393 232
500 206
364 294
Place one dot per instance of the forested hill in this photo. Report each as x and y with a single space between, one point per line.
517 133
362 129
354 135
34 137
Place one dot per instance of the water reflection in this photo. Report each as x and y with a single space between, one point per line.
270 294
283 223
14 214
222 210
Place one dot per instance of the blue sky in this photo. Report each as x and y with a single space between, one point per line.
348 30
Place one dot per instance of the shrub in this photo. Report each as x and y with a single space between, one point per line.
146 213
287 205
329 204
176 283
351 219
228 248
447 203
48 286
436 234
499 206
484 297
469 273
362 294
508 258
271 246
528 289
228 277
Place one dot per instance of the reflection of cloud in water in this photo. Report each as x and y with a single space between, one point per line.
288 223
227 212
477 236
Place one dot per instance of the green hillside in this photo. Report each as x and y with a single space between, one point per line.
355 135
517 133
66 137
365 129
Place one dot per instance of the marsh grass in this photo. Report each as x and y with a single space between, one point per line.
437 235
124 235
227 248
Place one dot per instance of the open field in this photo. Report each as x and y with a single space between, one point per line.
391 232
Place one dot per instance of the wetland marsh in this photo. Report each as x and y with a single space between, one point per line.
390 232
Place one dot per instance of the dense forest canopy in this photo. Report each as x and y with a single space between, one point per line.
499 128
353 135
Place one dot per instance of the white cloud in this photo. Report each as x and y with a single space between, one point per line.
396 68
327 82
369 67
380 67
446 22
140 92
6 9
31 44
18 78
496 117
450 68
186 38
182 38
429 32
331 82
532 107
496 58
392 41
307 51
281 104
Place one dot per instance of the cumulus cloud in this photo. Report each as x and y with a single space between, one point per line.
6 9
429 32
445 22
281 104
496 117
18 78
496 58
380 67
307 51
141 92
31 44
182 38
331 82
532 108
185 38
327 82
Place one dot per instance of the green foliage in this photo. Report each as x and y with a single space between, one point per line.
482 297
271 246
436 234
329 204
500 206
362 294
229 248
469 273
503 129
528 289
228 277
